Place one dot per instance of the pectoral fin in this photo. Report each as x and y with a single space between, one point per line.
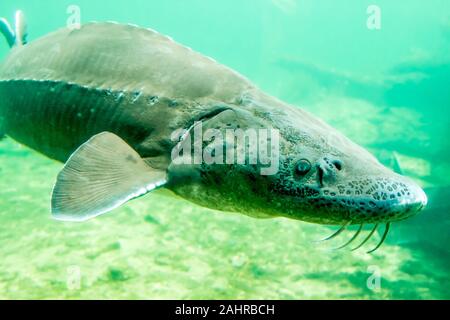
101 175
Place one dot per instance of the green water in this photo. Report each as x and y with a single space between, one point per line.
387 89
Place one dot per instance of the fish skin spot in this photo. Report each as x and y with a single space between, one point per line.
153 100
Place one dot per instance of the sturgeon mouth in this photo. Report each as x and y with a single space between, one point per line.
382 201
396 201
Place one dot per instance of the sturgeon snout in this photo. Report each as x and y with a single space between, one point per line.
373 200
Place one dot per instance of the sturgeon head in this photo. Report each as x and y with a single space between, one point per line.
318 175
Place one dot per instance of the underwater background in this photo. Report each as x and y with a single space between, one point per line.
387 89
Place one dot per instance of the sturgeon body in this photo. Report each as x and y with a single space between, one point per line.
106 99
61 90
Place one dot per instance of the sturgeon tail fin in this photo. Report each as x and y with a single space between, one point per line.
7 31
21 29
18 35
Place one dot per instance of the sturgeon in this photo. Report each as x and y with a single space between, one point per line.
107 97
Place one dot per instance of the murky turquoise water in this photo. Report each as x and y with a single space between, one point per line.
386 89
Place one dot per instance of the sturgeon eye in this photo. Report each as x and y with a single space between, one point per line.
303 167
